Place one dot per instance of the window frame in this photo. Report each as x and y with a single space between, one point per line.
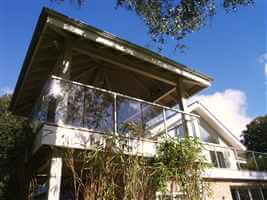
235 190
220 163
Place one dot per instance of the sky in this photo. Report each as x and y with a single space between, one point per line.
231 49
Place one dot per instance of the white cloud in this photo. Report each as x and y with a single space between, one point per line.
263 58
6 90
229 107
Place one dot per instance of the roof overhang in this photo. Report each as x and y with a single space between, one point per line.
102 48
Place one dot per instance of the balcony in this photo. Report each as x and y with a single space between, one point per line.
231 163
93 113
82 116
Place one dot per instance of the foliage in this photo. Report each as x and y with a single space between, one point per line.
15 137
255 136
181 161
109 172
175 18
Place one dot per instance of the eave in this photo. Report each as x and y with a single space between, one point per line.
152 65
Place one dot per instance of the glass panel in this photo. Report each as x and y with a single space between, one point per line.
40 107
243 192
213 158
246 160
264 191
153 122
261 160
221 160
51 109
75 114
98 110
129 118
256 194
57 101
175 125
234 194
207 133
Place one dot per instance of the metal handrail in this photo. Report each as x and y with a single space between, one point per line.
233 148
123 95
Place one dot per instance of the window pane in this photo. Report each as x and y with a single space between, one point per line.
75 106
243 194
153 122
98 110
234 194
213 158
256 194
207 133
129 119
221 160
174 124
264 191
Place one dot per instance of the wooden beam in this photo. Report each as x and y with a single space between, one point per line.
182 103
139 82
106 78
45 58
192 82
164 95
59 31
112 42
115 61
83 73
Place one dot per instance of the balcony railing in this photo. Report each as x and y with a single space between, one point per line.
68 103
231 158
98 110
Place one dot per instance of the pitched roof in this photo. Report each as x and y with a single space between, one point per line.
221 129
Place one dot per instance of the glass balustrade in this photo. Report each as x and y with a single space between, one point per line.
73 104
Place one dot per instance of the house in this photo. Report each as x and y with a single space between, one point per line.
237 173
78 83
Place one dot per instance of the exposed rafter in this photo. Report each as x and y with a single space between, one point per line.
84 73
118 62
110 41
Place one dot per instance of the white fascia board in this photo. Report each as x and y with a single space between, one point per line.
223 131
113 44
228 174
82 138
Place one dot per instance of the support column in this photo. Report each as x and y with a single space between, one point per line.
182 102
55 178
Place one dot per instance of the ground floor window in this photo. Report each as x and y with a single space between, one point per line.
249 193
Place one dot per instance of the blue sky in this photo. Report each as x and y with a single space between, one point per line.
228 49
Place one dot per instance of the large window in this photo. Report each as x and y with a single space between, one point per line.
218 160
207 133
248 193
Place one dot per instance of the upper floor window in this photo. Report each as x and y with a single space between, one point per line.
207 133
218 159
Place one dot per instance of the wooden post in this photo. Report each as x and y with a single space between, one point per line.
55 178
182 102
